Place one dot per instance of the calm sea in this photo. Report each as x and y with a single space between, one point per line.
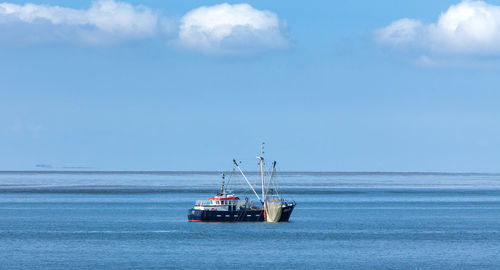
137 220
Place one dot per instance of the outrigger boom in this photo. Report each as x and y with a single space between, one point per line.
246 179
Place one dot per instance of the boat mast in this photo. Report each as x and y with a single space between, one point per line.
223 191
261 163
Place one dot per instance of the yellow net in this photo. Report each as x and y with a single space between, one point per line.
273 211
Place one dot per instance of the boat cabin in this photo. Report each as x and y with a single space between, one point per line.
222 202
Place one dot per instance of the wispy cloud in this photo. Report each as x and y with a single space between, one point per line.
103 21
229 29
26 127
468 28
221 29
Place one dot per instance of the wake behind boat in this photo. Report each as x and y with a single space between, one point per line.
227 207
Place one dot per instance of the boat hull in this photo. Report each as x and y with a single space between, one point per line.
195 215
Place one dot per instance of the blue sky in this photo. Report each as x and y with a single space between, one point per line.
328 85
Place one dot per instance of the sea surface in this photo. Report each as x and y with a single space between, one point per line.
138 220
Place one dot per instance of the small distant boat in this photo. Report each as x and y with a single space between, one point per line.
227 207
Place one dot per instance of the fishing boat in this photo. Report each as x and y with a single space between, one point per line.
227 207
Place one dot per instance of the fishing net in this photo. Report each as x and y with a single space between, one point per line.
273 211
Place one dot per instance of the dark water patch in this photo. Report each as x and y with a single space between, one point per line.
173 235
106 190
117 189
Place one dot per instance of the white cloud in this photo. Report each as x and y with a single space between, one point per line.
221 29
231 29
400 31
103 21
468 28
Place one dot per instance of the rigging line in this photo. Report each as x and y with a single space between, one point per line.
230 177
269 182
276 189
276 182
244 188
248 182
272 181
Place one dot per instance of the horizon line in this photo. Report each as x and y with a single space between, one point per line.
49 171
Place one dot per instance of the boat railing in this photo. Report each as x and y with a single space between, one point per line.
203 203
